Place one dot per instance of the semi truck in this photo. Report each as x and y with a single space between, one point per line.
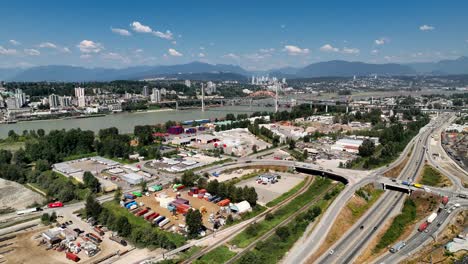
423 227
118 240
55 204
431 218
72 257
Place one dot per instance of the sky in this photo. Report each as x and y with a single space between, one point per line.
256 35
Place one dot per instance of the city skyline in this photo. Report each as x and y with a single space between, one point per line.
256 36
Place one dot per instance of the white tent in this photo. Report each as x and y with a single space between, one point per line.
241 207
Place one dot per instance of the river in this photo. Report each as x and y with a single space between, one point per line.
126 121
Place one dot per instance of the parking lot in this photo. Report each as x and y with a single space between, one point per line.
270 191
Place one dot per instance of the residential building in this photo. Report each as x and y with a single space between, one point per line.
65 101
156 96
54 101
82 101
20 98
188 83
145 91
79 92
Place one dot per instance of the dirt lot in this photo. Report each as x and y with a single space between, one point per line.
17 196
269 192
150 201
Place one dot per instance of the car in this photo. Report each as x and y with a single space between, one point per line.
331 252
361 227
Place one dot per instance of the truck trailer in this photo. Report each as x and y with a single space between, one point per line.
431 218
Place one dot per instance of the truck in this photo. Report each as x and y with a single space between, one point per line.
445 200
118 240
423 227
150 216
55 204
28 211
72 256
137 194
431 218
398 246
142 212
131 204
94 238
159 220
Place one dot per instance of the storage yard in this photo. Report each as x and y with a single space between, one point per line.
16 196
186 160
268 190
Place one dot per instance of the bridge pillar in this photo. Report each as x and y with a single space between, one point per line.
347 109
326 108
177 105
383 186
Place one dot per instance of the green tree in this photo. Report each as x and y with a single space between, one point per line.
45 219
118 194
91 182
92 207
123 226
194 222
5 156
367 148
144 186
283 232
254 148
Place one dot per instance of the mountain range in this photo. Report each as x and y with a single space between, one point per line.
205 71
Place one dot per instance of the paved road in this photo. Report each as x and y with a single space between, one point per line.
351 244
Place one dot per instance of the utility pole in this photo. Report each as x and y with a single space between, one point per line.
276 99
202 97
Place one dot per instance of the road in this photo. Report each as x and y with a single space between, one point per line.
354 240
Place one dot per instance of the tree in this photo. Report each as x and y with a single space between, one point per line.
283 232
189 178
5 156
144 134
367 148
12 135
91 182
123 226
42 165
305 154
254 148
20 157
251 196
252 230
291 143
45 219
194 222
92 207
118 194
144 185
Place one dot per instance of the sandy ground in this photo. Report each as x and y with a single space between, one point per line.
150 201
16 195
269 192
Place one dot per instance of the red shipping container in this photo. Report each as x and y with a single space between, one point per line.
201 195
202 191
224 202
180 187
142 212
72 256
190 193
56 204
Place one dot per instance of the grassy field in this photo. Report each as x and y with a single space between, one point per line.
218 255
11 146
250 234
286 195
399 223
433 177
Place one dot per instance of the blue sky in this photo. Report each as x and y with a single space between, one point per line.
254 34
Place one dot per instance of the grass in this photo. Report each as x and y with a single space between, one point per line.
246 237
12 146
372 196
398 226
218 255
287 194
256 210
433 177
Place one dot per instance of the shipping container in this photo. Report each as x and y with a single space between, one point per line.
147 214
202 191
423 227
129 205
151 216
159 220
155 188
175 130
142 212
194 190
55 204
431 218
224 202
137 194
72 256
99 230
129 196
164 222
118 240
182 201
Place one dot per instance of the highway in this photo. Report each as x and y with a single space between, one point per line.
353 241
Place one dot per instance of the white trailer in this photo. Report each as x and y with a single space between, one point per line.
431 218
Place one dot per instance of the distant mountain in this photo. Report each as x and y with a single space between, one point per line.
346 68
457 66
71 73
205 71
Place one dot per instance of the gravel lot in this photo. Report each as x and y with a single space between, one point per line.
17 196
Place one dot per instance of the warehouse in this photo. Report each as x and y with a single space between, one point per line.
346 144
132 178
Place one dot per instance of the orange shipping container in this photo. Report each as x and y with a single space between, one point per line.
224 202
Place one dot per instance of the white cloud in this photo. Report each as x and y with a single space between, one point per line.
32 52
426 28
14 42
203 48
374 51
174 52
257 56
115 56
266 50
201 55
381 41
329 48
350 50
121 31
166 35
283 26
295 50
66 50
89 46
231 56
138 50
47 45
85 56
5 51
138 27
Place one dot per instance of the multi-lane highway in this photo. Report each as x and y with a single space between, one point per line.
353 241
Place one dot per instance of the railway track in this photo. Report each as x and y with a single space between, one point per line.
283 223
204 251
